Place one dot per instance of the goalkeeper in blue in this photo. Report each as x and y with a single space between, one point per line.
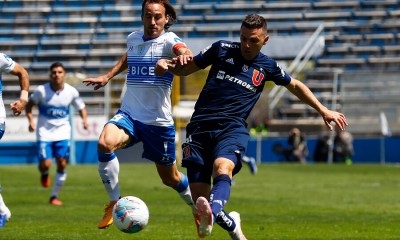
217 136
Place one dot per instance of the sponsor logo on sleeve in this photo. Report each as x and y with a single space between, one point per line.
282 72
205 49
178 40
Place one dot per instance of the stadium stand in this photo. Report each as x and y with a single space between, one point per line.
89 37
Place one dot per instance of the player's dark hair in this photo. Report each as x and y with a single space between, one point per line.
56 64
169 11
254 21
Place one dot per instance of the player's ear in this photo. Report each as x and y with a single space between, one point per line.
166 18
266 38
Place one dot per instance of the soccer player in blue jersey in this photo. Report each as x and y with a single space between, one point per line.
8 65
53 128
145 114
217 136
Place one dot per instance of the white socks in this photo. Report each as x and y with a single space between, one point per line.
109 175
59 180
187 197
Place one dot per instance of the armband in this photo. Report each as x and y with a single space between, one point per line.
178 46
24 95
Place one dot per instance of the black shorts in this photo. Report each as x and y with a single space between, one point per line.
210 140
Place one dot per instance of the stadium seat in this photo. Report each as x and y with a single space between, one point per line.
90 36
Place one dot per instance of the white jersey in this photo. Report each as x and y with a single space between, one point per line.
6 65
53 121
148 96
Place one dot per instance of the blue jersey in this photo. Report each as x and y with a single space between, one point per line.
234 84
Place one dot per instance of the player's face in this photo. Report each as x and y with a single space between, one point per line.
57 75
154 20
251 41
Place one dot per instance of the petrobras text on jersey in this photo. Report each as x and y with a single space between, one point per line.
221 75
141 70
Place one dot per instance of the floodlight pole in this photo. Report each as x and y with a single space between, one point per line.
383 159
259 148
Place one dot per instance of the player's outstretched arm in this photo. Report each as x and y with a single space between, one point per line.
101 81
97 82
18 106
176 67
304 94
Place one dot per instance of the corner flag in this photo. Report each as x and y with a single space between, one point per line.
385 129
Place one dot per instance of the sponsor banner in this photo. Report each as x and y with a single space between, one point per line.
17 129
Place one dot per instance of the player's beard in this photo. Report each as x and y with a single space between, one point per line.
154 32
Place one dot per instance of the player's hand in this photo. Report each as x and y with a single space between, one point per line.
32 127
85 125
97 82
163 65
336 117
183 59
18 106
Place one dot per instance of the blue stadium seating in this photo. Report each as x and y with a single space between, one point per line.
35 24
89 36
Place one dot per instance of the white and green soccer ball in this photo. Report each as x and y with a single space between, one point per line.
130 214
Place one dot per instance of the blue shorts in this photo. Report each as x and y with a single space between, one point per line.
210 140
158 142
2 129
48 150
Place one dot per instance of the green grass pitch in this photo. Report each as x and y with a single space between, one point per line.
281 202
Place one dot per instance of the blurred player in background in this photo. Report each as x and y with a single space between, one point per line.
7 65
217 136
53 129
251 162
145 114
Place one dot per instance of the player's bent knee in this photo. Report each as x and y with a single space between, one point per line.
102 146
107 144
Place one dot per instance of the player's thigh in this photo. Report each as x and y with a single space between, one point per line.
231 145
61 149
44 150
112 138
158 143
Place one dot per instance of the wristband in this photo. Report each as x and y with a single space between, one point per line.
24 95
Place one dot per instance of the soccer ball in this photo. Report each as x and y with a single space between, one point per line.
130 214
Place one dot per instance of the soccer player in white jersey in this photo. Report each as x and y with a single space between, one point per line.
53 129
145 114
7 65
